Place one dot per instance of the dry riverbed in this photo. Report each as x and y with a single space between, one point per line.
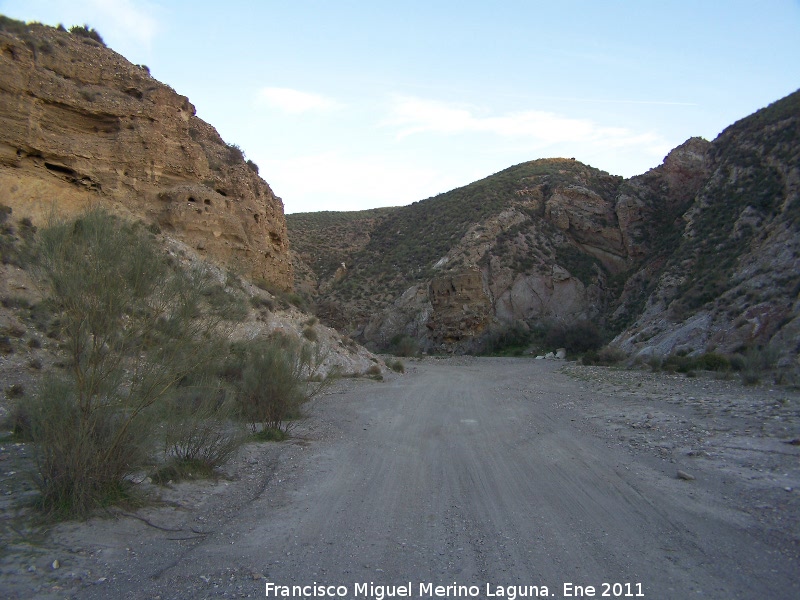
484 472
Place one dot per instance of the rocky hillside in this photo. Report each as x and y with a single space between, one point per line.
80 125
731 279
697 254
328 240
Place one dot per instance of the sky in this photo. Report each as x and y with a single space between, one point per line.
348 105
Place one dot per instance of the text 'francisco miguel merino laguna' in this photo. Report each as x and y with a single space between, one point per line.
426 590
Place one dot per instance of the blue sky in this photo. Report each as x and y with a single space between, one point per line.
356 104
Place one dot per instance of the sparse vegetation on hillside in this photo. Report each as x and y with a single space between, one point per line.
386 252
327 239
87 32
749 192
404 247
142 386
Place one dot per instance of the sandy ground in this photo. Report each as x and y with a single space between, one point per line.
468 472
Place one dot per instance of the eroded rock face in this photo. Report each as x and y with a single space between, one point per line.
461 308
557 295
81 126
591 221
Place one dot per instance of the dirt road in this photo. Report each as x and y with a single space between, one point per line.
463 472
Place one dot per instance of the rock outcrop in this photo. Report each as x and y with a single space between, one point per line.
80 126
731 277
698 254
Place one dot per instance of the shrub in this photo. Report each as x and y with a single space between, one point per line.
508 339
655 363
83 458
272 381
737 362
225 304
15 302
15 390
397 366
9 253
310 333
259 302
679 362
201 434
755 362
404 345
270 434
712 361
18 421
605 356
235 154
132 329
85 31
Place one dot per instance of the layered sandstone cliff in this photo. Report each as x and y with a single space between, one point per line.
80 125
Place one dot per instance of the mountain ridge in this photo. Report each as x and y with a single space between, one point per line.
553 240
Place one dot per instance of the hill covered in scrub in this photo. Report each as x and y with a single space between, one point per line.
698 254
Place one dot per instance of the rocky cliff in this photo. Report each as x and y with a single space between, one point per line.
731 277
698 254
80 125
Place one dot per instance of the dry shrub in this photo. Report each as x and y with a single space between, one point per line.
202 433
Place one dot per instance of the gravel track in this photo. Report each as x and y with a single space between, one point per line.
475 472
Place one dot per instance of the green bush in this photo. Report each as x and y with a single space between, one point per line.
755 363
83 457
375 372
397 366
506 339
132 328
87 32
403 345
272 379
225 304
712 361
235 154
201 432
680 363
18 421
605 356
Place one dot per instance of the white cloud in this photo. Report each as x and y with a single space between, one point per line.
336 181
295 101
539 129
